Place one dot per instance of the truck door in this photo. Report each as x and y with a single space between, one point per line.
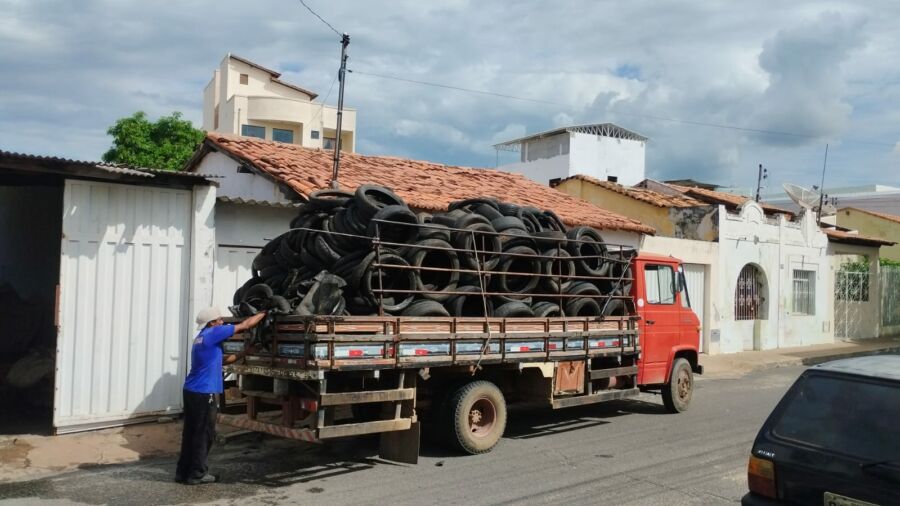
660 312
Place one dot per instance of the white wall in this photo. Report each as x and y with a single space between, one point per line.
601 157
235 184
578 153
863 318
777 248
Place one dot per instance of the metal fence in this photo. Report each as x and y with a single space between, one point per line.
851 304
890 296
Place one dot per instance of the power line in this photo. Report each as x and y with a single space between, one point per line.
633 114
325 99
333 29
459 88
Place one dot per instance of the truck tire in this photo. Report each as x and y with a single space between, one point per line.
677 392
477 417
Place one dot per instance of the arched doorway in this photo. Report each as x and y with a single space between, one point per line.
751 304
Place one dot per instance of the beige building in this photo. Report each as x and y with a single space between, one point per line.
245 98
875 224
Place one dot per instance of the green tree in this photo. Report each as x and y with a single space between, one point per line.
164 144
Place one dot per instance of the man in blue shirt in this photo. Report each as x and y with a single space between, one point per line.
202 384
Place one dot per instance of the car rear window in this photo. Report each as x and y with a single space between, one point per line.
856 417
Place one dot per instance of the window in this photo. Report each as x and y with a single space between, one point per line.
328 142
685 297
245 79
660 283
253 131
313 134
804 292
749 302
282 135
844 415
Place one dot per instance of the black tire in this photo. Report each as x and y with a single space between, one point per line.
472 203
586 242
508 222
239 293
582 307
615 307
469 220
507 209
369 198
476 415
435 281
259 291
550 239
403 232
489 212
562 266
262 261
425 307
324 251
679 390
546 309
279 305
488 246
326 200
469 305
405 280
516 284
554 218
514 309
435 231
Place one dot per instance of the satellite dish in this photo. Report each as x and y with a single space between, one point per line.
804 197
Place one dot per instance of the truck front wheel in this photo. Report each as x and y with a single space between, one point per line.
477 416
677 392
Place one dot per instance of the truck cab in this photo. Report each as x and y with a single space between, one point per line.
669 329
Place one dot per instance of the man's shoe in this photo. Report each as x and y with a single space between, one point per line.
207 478
179 479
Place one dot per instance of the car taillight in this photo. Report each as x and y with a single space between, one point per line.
761 477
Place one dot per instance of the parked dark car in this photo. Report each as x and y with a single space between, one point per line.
834 439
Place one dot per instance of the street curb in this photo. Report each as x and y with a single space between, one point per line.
835 356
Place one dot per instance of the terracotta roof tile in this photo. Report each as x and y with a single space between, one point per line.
423 185
884 216
644 195
854 238
728 199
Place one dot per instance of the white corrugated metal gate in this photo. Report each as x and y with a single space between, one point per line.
124 282
233 269
695 279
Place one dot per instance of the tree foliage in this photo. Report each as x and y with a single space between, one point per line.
165 144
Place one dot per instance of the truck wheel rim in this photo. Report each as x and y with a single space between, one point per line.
684 384
482 416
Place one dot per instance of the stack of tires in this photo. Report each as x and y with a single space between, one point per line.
351 253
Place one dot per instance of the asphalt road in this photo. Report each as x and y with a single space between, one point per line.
626 452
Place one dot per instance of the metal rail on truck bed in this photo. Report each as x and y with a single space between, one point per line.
304 347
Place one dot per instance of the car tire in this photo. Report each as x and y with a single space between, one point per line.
677 393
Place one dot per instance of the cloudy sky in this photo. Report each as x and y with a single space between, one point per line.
823 71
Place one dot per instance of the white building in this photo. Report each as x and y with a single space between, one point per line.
604 151
245 98
871 197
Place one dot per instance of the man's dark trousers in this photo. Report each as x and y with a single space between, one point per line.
197 436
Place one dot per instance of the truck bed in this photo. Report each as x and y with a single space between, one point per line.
306 347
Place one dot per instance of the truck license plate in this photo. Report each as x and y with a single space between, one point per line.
839 500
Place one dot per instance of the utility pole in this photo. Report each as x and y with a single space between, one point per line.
822 189
761 175
345 41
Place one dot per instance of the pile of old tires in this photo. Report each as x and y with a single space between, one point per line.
432 264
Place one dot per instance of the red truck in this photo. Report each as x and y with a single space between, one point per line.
324 377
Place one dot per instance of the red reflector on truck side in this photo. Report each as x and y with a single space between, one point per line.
524 348
420 352
552 346
355 353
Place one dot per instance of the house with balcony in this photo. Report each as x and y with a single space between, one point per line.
245 98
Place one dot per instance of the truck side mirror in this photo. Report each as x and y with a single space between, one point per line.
679 282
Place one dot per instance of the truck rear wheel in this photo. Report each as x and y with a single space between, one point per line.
677 392
477 416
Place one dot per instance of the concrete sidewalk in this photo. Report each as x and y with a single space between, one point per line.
734 365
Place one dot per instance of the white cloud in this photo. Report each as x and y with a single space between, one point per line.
72 68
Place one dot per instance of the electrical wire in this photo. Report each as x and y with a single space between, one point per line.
637 115
321 107
333 29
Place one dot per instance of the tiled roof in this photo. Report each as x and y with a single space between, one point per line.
854 238
423 185
727 199
885 216
644 195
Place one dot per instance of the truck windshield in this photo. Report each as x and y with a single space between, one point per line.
855 417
